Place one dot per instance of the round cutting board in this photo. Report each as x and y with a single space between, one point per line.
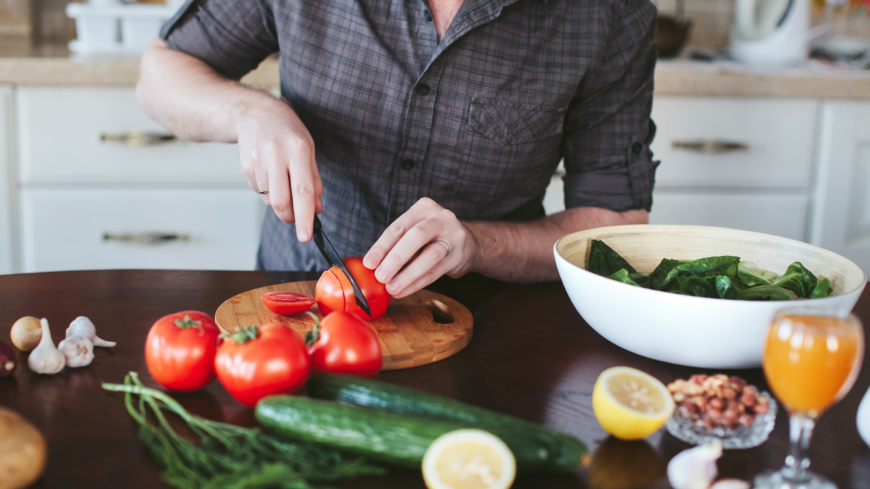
417 330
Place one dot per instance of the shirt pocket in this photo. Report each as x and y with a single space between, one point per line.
511 123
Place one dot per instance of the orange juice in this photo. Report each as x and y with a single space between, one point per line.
811 362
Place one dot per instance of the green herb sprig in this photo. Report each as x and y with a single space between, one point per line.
229 456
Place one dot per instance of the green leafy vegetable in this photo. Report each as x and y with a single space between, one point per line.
798 280
604 261
750 277
765 293
723 277
704 267
823 289
229 456
728 287
657 277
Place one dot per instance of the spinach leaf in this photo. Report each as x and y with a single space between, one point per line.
704 267
604 261
750 277
640 278
657 277
798 280
623 276
765 293
694 285
728 287
823 289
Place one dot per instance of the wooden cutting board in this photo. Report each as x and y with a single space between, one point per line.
417 330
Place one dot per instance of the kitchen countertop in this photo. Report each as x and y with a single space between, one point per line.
532 356
52 66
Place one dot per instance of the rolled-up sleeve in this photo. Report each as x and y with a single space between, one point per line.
231 36
608 129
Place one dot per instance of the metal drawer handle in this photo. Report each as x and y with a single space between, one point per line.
148 239
711 146
138 139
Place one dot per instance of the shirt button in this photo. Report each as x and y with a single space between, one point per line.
422 89
427 16
636 147
408 164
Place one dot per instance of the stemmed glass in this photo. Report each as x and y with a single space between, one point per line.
811 360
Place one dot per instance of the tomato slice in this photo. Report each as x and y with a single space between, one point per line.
335 293
287 303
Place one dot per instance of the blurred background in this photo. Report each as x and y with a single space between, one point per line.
762 108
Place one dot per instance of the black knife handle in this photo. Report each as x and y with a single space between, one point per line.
317 225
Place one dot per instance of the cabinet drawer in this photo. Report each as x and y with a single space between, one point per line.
781 215
60 140
67 229
778 135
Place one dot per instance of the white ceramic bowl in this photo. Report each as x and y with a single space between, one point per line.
693 331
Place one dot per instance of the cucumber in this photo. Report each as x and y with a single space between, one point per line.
387 437
565 452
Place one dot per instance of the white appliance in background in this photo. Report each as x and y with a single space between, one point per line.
770 33
112 27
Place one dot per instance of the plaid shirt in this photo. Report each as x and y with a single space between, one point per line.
477 122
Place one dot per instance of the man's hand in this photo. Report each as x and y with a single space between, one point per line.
277 154
276 150
428 241
410 255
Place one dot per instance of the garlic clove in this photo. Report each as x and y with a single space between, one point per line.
695 468
46 358
84 327
731 484
79 351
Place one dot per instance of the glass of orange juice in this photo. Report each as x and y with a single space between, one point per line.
811 360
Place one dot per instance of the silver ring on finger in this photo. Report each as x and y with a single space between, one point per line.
445 245
264 192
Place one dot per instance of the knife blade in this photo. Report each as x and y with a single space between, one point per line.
334 259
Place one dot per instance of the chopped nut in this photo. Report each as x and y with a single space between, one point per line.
718 400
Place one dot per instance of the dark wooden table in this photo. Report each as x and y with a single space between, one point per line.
532 356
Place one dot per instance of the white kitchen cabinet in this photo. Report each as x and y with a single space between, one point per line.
97 186
741 163
7 178
841 213
76 229
102 135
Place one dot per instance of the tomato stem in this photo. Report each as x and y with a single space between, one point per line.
312 335
246 334
188 323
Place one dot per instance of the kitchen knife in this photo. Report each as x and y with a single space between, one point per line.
333 258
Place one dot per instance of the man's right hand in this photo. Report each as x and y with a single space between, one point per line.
276 151
277 155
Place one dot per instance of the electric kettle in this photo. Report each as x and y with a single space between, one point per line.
770 33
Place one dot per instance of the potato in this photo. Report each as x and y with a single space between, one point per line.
22 451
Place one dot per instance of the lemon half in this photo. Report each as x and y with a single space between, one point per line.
468 459
630 404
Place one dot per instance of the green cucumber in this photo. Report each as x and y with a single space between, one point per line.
392 438
565 452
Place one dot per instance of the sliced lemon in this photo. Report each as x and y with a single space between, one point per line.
468 459
630 404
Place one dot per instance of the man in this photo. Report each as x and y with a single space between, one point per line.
426 132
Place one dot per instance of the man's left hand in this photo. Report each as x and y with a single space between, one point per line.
423 244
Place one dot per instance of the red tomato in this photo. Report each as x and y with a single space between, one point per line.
180 350
286 303
335 293
258 362
346 345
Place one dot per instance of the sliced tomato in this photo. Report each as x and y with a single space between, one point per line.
335 293
287 303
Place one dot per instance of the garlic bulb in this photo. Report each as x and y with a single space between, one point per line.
82 326
695 468
46 358
78 350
